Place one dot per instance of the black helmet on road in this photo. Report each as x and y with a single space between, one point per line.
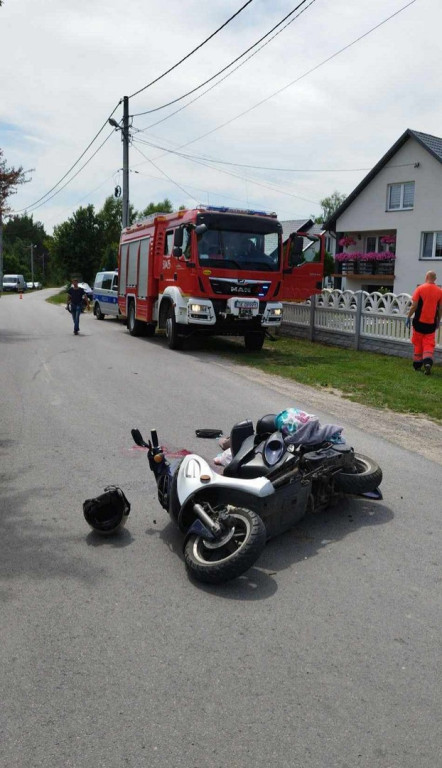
108 512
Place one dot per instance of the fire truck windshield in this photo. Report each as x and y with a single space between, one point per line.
242 250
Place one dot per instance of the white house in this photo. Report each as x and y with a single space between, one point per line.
390 227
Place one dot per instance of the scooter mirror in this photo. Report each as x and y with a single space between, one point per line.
137 438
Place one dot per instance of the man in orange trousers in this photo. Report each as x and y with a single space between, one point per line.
426 308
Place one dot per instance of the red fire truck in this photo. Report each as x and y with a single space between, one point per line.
219 271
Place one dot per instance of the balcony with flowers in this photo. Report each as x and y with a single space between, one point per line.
379 262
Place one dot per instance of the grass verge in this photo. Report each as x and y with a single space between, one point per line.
58 298
381 381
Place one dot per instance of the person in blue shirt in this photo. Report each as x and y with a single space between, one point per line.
77 295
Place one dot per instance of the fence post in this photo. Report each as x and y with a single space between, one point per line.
358 318
312 318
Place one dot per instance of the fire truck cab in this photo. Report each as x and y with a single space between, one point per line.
209 270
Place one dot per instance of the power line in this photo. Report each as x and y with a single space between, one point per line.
157 109
206 159
191 52
293 82
91 192
33 205
172 114
236 176
46 197
165 174
216 194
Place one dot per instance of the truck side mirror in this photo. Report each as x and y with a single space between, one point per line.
177 251
178 238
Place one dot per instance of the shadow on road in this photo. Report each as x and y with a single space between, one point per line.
318 531
117 540
35 542
307 539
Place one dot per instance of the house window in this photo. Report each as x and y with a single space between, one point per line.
431 245
373 243
370 244
400 197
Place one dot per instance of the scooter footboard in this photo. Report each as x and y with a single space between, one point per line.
280 511
285 508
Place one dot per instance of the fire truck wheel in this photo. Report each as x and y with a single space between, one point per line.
173 339
254 340
134 326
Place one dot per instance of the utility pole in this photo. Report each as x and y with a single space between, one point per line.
125 139
32 264
125 136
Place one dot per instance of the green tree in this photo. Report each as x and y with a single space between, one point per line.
329 264
329 205
78 245
110 217
164 206
25 228
19 233
10 179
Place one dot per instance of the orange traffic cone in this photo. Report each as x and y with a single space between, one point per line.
21 295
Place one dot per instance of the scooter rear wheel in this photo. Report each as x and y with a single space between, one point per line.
366 477
214 562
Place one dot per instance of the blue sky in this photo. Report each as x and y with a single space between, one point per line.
75 61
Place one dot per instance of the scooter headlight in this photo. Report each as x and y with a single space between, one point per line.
274 449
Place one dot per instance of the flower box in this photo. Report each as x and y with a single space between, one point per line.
365 267
384 267
373 263
347 267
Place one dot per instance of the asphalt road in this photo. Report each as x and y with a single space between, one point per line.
325 655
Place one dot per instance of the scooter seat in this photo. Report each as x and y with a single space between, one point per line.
246 450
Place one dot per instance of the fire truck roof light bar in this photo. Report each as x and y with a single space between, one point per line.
247 212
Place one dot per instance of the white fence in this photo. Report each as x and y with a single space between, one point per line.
360 320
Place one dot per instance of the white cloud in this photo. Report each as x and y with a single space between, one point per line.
75 61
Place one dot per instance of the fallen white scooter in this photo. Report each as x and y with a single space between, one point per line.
266 489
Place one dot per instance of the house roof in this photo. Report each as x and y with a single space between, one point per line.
295 225
301 225
433 144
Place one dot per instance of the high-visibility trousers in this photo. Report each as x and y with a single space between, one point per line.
423 344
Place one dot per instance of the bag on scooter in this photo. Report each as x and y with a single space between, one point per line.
108 512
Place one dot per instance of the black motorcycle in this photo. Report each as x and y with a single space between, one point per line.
268 486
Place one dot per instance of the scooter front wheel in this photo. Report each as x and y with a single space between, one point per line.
214 562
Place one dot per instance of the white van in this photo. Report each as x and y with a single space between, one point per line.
14 283
105 296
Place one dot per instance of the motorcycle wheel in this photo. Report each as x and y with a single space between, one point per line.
366 476
214 562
